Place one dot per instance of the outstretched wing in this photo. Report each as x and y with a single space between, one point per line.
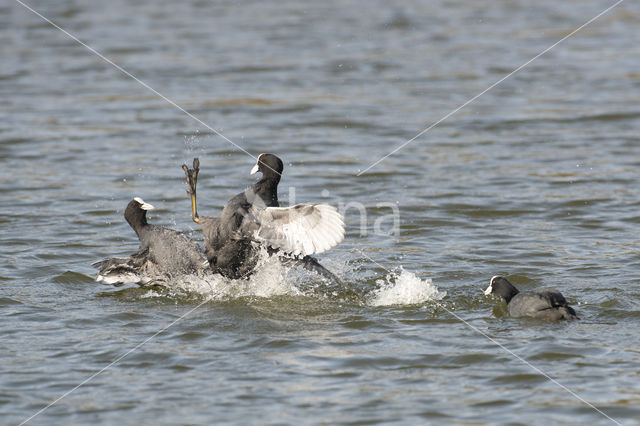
303 229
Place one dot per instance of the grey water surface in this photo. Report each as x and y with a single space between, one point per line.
537 179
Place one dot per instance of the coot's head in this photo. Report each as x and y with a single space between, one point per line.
136 212
500 286
270 166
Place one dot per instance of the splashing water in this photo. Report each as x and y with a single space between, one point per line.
273 279
269 280
405 288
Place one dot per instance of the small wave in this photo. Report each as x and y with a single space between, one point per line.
405 288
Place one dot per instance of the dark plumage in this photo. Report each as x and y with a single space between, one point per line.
164 253
546 303
253 218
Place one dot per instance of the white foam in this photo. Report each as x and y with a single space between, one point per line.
272 279
405 288
269 280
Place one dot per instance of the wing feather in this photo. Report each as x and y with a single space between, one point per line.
303 229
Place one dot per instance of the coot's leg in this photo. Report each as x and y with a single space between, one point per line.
192 181
311 264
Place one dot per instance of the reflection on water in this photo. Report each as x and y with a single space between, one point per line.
535 180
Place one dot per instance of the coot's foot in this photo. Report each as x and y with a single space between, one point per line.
192 181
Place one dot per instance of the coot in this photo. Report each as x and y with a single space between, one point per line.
254 218
164 253
546 303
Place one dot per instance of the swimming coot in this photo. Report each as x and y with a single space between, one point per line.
254 218
164 253
546 303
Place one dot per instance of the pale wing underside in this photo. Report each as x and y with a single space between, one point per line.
303 229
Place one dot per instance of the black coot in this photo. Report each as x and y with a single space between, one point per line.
546 303
254 217
164 253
